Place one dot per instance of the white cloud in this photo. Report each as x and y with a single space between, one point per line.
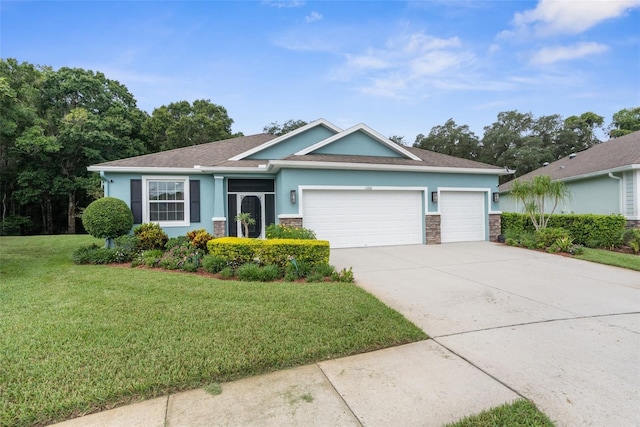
549 55
313 17
404 65
283 3
570 17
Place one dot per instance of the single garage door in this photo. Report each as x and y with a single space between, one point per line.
462 216
357 218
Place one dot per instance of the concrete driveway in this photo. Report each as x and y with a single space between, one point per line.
562 332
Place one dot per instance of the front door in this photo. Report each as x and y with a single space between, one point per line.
254 205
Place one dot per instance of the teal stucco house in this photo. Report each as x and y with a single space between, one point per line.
604 179
353 187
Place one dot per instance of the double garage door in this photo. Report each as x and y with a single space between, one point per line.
358 218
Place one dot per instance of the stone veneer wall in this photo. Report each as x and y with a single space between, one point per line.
219 228
495 224
291 222
432 226
633 223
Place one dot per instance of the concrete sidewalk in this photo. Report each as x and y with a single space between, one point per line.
415 384
504 322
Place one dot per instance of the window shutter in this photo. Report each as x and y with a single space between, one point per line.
194 197
136 200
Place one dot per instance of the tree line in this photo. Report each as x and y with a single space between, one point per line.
55 123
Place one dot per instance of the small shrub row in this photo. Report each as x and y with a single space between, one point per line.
593 231
280 231
550 239
231 258
237 251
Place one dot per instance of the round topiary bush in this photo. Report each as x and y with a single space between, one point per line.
107 218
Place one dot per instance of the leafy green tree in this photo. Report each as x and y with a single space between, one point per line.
450 139
107 218
583 127
535 193
19 83
624 122
276 129
397 139
181 124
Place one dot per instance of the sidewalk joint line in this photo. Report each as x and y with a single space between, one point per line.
535 323
339 395
166 411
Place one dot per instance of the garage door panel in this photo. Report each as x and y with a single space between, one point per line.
462 216
353 218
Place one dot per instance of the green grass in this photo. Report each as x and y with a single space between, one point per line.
632 262
520 413
78 339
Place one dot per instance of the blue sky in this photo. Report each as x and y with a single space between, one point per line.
400 67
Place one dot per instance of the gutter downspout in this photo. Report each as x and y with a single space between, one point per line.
620 192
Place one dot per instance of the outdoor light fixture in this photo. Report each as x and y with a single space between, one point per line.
292 195
434 196
496 197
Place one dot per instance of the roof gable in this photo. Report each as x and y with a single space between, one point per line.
287 144
360 140
614 155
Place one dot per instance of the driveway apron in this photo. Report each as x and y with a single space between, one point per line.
562 332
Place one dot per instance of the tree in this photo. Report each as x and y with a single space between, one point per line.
245 219
107 218
181 124
533 195
90 119
397 139
624 122
19 83
450 139
276 129
583 127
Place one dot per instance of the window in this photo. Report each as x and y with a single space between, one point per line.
166 200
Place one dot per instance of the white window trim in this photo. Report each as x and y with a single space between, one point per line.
145 200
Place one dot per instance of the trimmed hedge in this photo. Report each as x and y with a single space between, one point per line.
586 229
107 218
238 250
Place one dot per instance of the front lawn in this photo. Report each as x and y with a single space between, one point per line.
616 259
78 339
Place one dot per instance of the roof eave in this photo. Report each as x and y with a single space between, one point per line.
279 164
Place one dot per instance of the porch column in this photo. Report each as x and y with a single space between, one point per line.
219 215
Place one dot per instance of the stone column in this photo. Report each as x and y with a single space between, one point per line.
495 223
432 226
291 222
219 227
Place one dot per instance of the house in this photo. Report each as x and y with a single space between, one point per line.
604 179
353 187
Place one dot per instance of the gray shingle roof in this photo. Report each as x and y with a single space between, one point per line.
613 154
217 154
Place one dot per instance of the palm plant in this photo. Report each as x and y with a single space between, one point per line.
246 220
535 193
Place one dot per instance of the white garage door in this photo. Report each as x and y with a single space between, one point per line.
357 218
462 216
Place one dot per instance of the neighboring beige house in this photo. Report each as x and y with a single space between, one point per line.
605 179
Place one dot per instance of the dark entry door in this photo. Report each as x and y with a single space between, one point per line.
253 205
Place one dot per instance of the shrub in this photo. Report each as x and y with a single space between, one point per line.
563 244
297 269
151 258
107 218
588 229
15 225
315 277
235 250
547 237
270 272
184 257
631 238
176 241
150 236
344 276
280 251
326 269
226 273
199 238
95 255
249 272
279 231
213 263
